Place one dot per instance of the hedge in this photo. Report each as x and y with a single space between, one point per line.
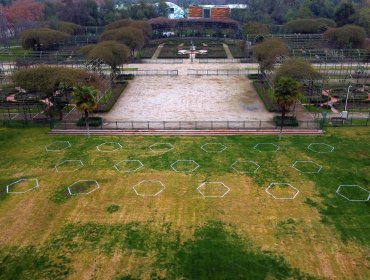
288 121
93 121
116 93
262 93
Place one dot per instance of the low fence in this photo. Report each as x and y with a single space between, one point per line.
187 125
224 60
162 61
220 72
150 72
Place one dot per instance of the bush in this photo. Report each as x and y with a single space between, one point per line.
112 208
288 121
93 121
262 91
66 27
348 36
107 103
255 76
307 26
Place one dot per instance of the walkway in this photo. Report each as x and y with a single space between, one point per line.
157 51
227 51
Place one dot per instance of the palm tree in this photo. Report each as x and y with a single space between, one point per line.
286 91
86 101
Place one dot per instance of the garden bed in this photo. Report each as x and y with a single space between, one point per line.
262 89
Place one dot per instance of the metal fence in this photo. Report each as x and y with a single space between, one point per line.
150 72
224 60
188 125
162 61
220 72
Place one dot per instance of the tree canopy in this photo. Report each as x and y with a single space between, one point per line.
42 38
268 51
48 79
304 26
298 69
130 36
111 52
64 26
348 36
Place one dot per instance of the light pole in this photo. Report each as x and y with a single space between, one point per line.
345 112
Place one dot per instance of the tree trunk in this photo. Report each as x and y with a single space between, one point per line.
87 121
282 119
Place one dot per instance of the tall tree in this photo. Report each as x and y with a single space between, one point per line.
85 98
111 52
344 14
286 91
267 52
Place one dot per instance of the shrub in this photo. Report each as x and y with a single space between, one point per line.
256 28
112 208
306 26
105 104
348 36
288 121
93 121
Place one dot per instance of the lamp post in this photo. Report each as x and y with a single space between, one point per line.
345 112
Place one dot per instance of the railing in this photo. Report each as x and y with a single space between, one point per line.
224 60
150 72
220 72
187 125
162 61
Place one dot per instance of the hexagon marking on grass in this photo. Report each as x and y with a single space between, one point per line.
218 147
307 166
269 190
58 146
239 167
168 147
35 185
193 165
365 193
224 190
77 163
73 189
320 148
271 147
117 146
120 166
155 188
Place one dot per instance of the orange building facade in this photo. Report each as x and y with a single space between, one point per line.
217 12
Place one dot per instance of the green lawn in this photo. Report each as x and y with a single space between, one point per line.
113 233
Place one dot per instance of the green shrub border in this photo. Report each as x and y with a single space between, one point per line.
262 93
93 121
288 121
117 90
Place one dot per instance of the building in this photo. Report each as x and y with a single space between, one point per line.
212 11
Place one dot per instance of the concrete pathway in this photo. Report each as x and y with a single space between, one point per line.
157 51
228 52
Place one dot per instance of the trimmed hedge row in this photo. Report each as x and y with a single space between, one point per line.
288 121
270 105
117 90
93 121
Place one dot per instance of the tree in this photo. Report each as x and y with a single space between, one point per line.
256 28
348 36
24 10
66 27
298 69
286 91
118 24
363 19
111 52
42 38
344 14
317 25
131 37
84 12
268 51
85 98
162 9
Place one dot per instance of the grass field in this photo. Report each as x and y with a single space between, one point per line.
113 233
